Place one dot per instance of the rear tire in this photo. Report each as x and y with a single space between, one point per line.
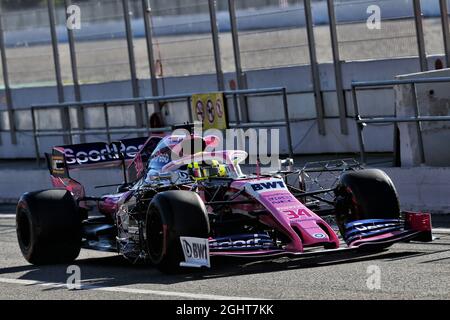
48 225
365 194
171 215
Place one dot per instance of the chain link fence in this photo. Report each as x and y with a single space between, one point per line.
266 42
395 37
271 33
179 35
100 43
182 39
29 56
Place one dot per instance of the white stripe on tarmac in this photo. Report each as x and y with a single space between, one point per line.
441 230
7 216
8 231
186 295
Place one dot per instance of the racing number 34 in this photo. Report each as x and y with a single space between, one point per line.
297 213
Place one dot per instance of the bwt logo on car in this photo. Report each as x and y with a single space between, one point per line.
267 185
195 250
98 155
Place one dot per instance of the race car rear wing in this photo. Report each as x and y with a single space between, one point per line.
131 154
97 155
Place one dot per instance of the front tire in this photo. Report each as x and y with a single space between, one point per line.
171 215
48 225
365 194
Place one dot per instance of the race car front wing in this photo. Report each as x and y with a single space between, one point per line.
370 234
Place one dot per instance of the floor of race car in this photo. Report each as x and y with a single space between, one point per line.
406 271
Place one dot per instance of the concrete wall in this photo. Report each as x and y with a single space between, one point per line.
21 181
433 100
422 189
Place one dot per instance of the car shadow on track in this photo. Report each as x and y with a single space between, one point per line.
115 271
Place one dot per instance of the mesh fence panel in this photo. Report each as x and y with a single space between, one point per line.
2 83
272 33
101 46
182 39
63 45
276 45
139 40
396 37
4 121
432 29
28 47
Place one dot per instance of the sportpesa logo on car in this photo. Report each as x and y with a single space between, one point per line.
95 155
90 153
255 241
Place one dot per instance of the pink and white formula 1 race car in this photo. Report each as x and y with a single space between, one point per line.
182 212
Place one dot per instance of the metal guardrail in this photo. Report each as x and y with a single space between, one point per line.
418 119
143 102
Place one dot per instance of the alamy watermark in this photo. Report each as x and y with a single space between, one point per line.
73 21
373 282
74 280
374 20
262 145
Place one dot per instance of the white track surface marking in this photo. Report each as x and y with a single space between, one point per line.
7 216
127 290
8 231
441 230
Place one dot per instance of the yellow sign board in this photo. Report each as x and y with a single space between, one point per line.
210 109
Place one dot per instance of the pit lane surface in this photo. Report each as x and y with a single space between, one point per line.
407 270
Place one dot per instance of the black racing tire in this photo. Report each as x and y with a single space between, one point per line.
171 215
48 225
365 194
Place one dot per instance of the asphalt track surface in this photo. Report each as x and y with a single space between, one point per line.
408 271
